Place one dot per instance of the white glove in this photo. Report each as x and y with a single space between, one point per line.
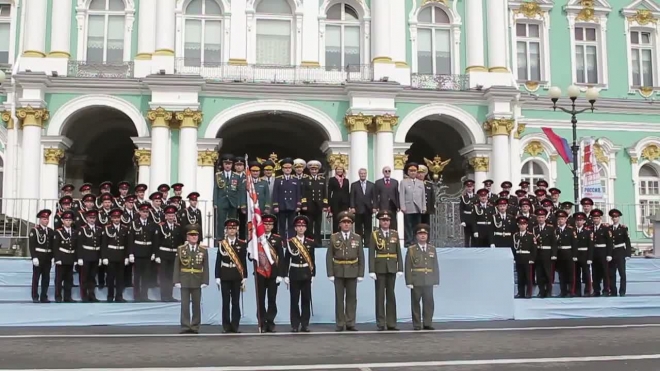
476 234
311 279
373 276
204 286
217 282
409 286
553 258
399 274
75 263
332 279
278 280
462 224
286 280
492 245
153 257
59 262
531 262
105 262
589 262
35 262
177 285
131 258
243 281
609 258
627 258
100 262
126 261
80 262
360 279
574 259
158 260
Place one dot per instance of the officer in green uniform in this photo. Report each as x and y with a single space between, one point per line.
422 274
228 184
345 267
191 275
260 188
385 264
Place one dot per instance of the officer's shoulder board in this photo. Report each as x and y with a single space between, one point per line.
319 177
241 241
275 235
203 247
569 226
181 246
279 177
309 239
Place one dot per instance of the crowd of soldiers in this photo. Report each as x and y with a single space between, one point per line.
546 236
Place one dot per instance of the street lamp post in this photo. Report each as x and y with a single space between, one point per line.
573 93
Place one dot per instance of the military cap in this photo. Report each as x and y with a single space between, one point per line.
422 228
116 212
487 182
502 201
67 187
255 166
314 164
269 165
106 197
586 201
130 198
239 160
145 206
301 220
521 193
384 214
554 191
177 186
67 215
567 205
123 185
268 218
410 166
541 212
524 201
522 219
423 169
504 193
163 188
561 214
541 183
523 184
193 196
468 182
65 200
89 198
596 212
106 184
540 192
546 202
227 157
232 222
85 187
156 196
345 216
506 184
286 161
614 213
299 163
91 212
44 213
174 199
141 187
171 209
192 229
580 216
482 192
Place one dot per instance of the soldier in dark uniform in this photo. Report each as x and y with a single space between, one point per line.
231 275
555 193
539 196
268 285
491 197
140 191
123 193
526 210
156 213
542 184
621 251
482 212
300 269
142 251
226 194
588 205
85 189
422 274
41 251
191 275
602 254
524 249
177 189
260 188
239 169
67 190
164 190
566 253
65 204
105 187
64 252
385 265
585 255
167 238
547 244
520 194
551 219
315 200
128 215
174 201
114 252
191 214
429 190
567 206
467 201
502 226
107 202
88 244
286 199
88 203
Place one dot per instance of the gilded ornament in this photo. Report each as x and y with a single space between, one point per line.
32 117
189 118
498 126
530 9
554 157
443 2
160 117
532 85
534 148
338 160
600 154
207 158
272 157
519 131
634 159
385 123
53 156
436 166
480 164
6 117
646 91
357 122
642 17
143 157
587 13
400 160
651 152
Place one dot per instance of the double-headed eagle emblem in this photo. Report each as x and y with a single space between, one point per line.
436 166
272 157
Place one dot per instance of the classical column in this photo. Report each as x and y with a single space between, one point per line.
475 36
32 120
206 159
497 29
143 159
51 172
146 29
480 166
400 160
358 125
60 30
336 159
397 35
35 35
189 122
515 155
160 146
499 129
165 29
380 39
384 141
9 176
239 26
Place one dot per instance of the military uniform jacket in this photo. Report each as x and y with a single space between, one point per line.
621 239
524 247
188 216
532 219
157 216
231 262
501 229
89 243
551 220
299 266
602 240
57 220
120 202
385 253
104 217
64 246
482 217
80 220
566 243
141 238
263 195
585 244
345 257
128 216
277 253
467 203
227 190
191 267
286 193
166 240
546 240
422 267
430 197
314 193
41 242
114 243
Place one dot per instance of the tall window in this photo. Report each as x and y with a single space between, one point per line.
274 37
586 55
532 172
342 37
604 181
642 50
649 193
5 25
433 42
105 32
202 33
528 49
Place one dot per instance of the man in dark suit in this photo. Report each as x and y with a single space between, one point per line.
286 198
386 195
363 205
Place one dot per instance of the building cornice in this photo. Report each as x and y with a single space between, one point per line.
604 105
280 91
590 125
422 96
178 82
96 86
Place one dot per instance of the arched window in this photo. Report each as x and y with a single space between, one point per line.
274 37
434 42
649 192
105 31
5 32
533 171
202 33
603 203
342 36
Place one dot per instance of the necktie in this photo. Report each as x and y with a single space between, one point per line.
386 234
268 181
364 187
387 181
345 236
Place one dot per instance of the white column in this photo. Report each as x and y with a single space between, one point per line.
60 30
160 146
496 36
310 36
32 122
398 22
475 36
359 156
188 159
480 166
380 39
163 58
384 142
147 29
143 159
399 160
500 130
9 177
515 155
34 45
51 171
238 50
207 155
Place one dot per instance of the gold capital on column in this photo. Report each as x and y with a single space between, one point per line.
189 118
400 160
338 160
554 157
480 164
385 123
32 117
207 157
6 117
500 126
160 117
357 122
143 157
519 131
53 156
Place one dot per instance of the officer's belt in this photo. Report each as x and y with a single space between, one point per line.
39 249
345 262
467 212
503 234
620 245
565 247
91 248
524 252
600 245
115 247
545 247
163 248
393 256
67 251
228 265
191 270
423 270
483 223
583 248
295 265
145 243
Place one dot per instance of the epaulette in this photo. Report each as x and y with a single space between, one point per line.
569 226
180 246
279 177
394 231
321 177
203 247
276 235
622 226
239 174
304 199
239 240
309 239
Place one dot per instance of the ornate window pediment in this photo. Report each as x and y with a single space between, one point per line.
645 163
642 31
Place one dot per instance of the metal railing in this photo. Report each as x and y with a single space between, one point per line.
107 70
439 82
274 74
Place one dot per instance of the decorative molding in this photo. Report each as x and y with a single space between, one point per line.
189 118
554 158
500 126
467 125
454 26
592 125
143 157
651 152
400 160
82 17
32 117
338 159
532 12
519 131
443 2
634 159
53 156
530 9
6 117
600 154
642 16
359 122
160 117
207 158
362 8
480 164
224 18
534 148
385 123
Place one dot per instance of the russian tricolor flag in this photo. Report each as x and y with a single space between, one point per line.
560 144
